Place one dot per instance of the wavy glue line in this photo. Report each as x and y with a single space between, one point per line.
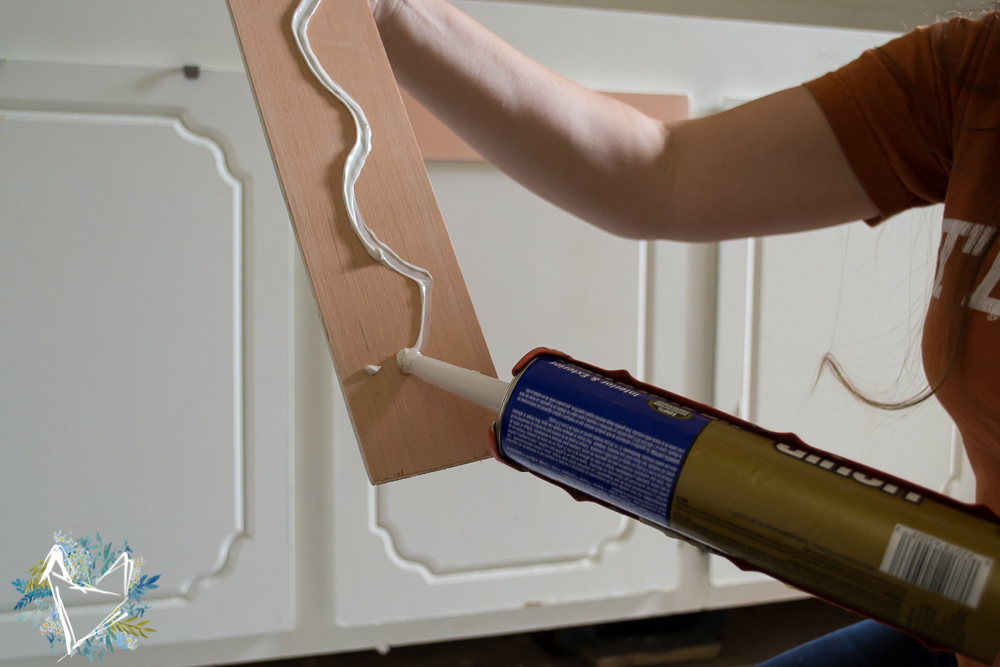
378 251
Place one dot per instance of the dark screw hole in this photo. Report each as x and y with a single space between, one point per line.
192 71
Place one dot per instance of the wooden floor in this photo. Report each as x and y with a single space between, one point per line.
737 637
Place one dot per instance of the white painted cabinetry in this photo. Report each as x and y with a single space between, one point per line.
163 372
854 292
146 341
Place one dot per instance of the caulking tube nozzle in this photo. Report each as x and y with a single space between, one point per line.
473 386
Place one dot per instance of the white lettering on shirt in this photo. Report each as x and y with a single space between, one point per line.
977 237
981 299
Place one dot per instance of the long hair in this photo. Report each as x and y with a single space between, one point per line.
953 66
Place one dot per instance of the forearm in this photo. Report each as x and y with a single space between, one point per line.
770 166
592 155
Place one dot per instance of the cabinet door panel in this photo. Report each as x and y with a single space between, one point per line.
121 333
857 293
145 343
482 537
545 279
478 549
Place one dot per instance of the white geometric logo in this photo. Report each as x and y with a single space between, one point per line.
61 584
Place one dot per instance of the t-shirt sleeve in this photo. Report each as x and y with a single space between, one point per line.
891 111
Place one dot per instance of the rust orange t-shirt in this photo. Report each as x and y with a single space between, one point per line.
919 122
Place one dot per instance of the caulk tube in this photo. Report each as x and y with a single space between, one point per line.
864 540
483 390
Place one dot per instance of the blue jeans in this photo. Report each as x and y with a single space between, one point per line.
865 644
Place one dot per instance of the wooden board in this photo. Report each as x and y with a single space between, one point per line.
438 142
404 426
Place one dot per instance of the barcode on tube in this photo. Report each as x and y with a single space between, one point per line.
936 565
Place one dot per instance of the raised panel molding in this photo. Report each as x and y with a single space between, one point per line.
736 345
540 563
482 537
172 590
785 301
158 293
511 285
313 578
859 293
373 585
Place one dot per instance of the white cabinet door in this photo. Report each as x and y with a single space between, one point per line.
159 376
482 537
145 342
859 294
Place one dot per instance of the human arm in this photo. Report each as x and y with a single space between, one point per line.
770 166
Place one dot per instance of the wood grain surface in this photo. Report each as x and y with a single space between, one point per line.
404 426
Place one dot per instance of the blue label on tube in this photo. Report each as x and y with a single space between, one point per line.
593 434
